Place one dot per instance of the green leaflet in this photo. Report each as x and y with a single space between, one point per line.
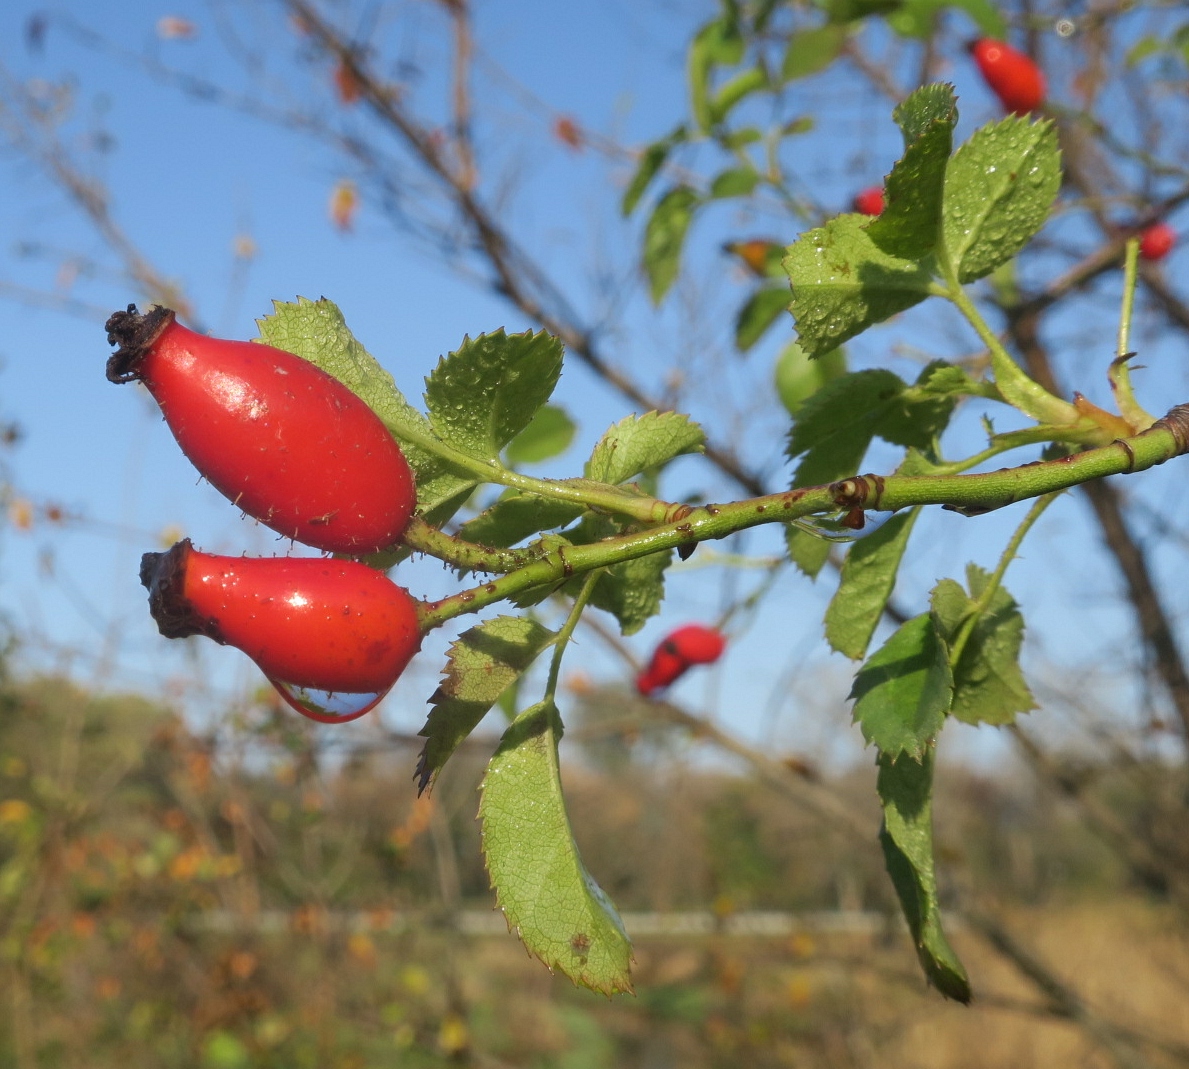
652 159
810 51
843 283
633 590
798 377
638 443
664 237
910 225
905 788
516 516
903 691
484 394
483 662
989 687
548 434
758 313
557 909
999 188
868 576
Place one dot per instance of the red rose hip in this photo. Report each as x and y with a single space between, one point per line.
1011 75
1157 241
287 443
869 201
682 648
310 624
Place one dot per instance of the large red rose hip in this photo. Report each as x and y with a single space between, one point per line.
1011 75
335 627
287 443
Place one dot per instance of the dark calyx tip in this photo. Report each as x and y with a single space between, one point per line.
134 334
164 576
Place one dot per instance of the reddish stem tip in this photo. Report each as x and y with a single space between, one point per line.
134 334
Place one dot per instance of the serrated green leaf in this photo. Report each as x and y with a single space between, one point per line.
317 332
515 517
910 225
759 313
548 897
868 576
735 182
637 443
484 394
989 687
736 89
633 590
903 691
999 188
810 51
482 663
905 788
919 414
843 283
664 236
798 377
833 430
849 407
548 434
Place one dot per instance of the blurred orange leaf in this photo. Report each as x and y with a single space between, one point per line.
344 203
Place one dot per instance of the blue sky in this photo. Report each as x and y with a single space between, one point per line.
188 178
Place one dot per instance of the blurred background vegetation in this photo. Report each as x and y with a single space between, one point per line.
246 898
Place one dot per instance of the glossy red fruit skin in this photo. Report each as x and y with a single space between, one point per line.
1012 76
319 623
1157 241
287 443
682 648
869 201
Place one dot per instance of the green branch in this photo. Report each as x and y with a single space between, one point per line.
616 500
423 537
970 494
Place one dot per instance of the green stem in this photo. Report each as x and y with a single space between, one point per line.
1017 388
1009 554
564 635
423 537
602 496
1119 372
970 494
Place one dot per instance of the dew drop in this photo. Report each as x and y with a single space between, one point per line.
326 706
833 528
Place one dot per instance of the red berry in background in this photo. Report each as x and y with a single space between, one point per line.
686 646
1157 241
280 438
309 623
869 201
1012 76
